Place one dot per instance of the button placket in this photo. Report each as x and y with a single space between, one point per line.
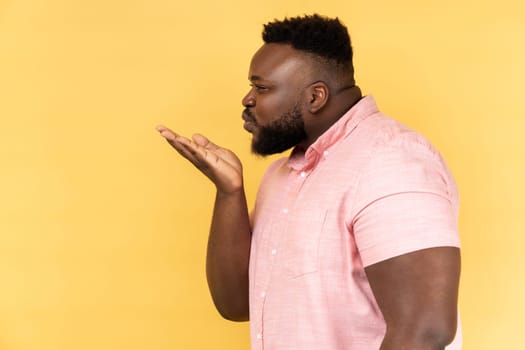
295 182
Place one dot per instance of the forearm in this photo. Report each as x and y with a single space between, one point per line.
228 255
229 241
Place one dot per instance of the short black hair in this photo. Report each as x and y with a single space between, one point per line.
315 34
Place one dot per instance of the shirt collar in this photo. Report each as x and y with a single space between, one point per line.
300 160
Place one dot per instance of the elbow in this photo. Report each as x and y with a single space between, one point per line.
232 314
436 336
233 310
432 334
440 329
234 317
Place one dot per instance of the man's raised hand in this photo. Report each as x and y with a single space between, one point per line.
220 165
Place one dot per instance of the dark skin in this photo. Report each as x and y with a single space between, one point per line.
230 233
416 292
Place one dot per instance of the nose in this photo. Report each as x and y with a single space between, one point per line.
249 99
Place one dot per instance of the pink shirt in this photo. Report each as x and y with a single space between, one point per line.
367 190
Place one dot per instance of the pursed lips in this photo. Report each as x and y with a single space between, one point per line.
247 116
249 120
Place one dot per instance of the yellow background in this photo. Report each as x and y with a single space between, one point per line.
103 227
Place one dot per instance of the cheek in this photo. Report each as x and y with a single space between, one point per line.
270 108
262 115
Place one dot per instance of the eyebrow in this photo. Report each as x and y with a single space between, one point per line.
255 78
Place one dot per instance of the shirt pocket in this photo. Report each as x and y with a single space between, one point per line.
302 242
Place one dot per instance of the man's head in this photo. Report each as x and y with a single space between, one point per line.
325 40
295 76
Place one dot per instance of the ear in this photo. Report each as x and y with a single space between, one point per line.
318 94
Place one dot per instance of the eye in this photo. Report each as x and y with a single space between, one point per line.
258 87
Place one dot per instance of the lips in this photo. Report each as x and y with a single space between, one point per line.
249 120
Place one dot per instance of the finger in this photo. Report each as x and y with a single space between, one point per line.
192 147
167 133
205 156
203 141
182 146
199 151
172 138
218 151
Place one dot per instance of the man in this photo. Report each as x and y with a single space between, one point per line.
353 241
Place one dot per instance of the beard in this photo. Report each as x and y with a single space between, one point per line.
281 134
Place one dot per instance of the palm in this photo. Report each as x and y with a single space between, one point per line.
219 164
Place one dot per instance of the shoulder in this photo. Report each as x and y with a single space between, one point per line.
402 160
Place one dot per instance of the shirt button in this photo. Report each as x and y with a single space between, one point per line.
259 336
303 173
263 294
325 153
274 251
285 211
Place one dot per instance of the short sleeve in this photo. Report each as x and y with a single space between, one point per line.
407 201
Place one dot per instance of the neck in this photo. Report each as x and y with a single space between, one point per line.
340 102
344 99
